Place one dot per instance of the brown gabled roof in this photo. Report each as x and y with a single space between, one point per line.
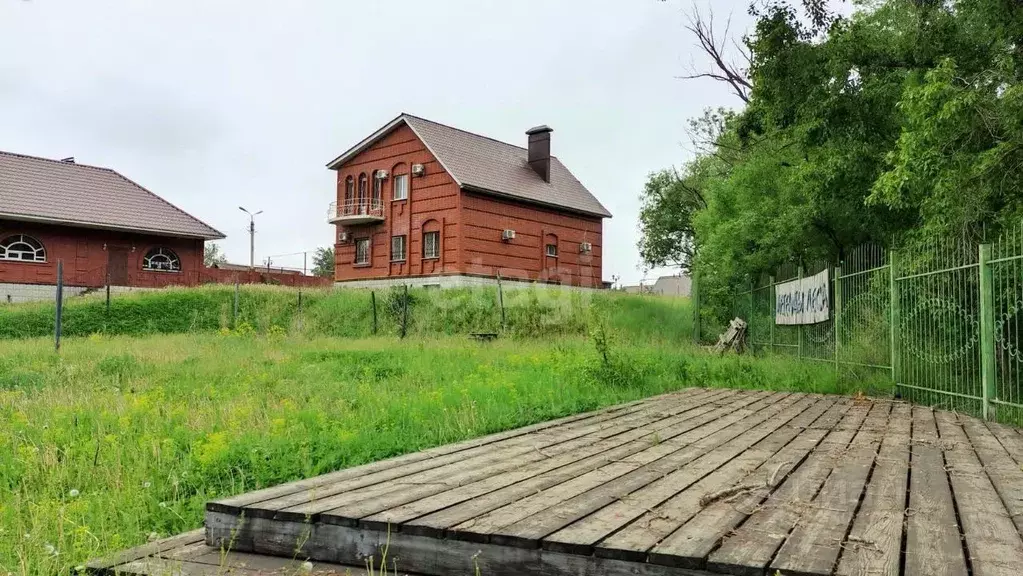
490 166
52 191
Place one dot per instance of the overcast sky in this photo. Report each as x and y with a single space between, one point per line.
215 104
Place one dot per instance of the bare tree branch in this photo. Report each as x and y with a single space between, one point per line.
722 70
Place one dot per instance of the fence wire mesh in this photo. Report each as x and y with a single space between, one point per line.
941 320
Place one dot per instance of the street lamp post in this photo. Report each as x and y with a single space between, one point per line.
252 236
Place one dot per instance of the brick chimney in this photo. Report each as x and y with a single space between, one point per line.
540 150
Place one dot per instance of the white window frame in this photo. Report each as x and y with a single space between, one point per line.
162 251
400 187
402 255
427 255
367 259
549 252
38 253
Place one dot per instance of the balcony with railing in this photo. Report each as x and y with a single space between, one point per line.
356 212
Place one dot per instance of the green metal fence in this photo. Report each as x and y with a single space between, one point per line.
942 321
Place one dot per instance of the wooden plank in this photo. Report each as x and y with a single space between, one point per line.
149 549
1010 439
314 500
163 567
932 534
236 503
815 543
750 549
441 521
643 518
690 545
874 545
367 500
570 507
992 540
482 525
575 462
1005 473
438 556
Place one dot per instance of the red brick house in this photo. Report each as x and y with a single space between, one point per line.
99 223
422 203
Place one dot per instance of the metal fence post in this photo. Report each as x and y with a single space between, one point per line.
108 293
373 298
894 319
500 298
774 309
987 331
58 320
836 326
749 322
299 309
695 292
234 317
404 314
799 327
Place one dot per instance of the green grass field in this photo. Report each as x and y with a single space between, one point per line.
120 439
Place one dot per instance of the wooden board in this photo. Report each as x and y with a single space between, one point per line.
695 483
752 546
874 545
815 543
690 545
994 544
640 520
1005 473
932 532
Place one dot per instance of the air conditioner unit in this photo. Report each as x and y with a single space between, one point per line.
508 235
342 237
585 247
418 169
381 174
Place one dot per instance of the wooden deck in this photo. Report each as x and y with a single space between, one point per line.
694 483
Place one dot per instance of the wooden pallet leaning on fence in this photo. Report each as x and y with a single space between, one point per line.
734 338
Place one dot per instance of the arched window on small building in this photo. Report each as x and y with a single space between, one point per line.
22 248
161 259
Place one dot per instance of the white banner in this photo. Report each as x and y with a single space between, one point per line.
803 301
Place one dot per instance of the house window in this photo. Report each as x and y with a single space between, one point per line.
22 248
362 250
431 245
552 250
161 260
397 248
378 184
349 191
401 187
362 189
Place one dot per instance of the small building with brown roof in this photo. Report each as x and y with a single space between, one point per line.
423 203
102 226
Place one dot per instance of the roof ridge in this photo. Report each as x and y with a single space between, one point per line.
456 129
61 162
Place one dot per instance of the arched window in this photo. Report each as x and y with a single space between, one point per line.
349 191
551 246
22 248
378 184
362 189
161 260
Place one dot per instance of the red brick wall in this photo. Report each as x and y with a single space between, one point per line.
470 225
432 205
85 258
525 256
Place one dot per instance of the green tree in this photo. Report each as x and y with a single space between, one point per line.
213 254
323 262
900 124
